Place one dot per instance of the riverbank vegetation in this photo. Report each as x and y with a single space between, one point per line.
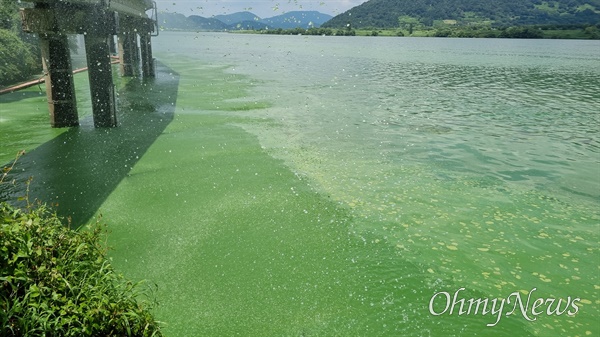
520 32
19 52
498 13
561 19
55 281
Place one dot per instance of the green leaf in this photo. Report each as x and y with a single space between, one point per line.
34 291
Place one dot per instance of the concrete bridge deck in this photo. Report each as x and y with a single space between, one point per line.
130 7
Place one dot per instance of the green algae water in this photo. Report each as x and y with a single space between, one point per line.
325 186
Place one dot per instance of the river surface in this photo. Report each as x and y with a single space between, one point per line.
332 186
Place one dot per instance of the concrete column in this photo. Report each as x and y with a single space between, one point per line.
99 31
135 50
100 75
127 52
123 64
60 88
147 60
112 46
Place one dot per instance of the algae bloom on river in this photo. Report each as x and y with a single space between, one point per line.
293 185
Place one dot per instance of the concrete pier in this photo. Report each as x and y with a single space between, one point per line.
98 35
147 60
97 21
101 85
60 88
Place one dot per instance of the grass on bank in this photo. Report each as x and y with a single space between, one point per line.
55 281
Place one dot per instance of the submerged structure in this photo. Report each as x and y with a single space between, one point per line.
99 21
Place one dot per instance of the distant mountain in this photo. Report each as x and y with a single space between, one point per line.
203 23
241 21
174 21
394 13
302 19
232 19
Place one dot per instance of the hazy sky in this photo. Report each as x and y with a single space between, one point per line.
262 8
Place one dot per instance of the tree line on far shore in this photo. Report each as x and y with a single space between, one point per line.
310 31
513 32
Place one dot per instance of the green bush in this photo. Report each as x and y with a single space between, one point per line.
17 60
523 32
55 281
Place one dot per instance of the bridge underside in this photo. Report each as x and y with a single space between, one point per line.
99 22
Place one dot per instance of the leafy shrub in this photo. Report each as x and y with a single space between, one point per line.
521 33
18 60
55 281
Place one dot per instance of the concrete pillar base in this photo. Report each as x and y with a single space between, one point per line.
147 60
60 88
101 85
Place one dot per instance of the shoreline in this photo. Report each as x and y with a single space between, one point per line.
459 32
